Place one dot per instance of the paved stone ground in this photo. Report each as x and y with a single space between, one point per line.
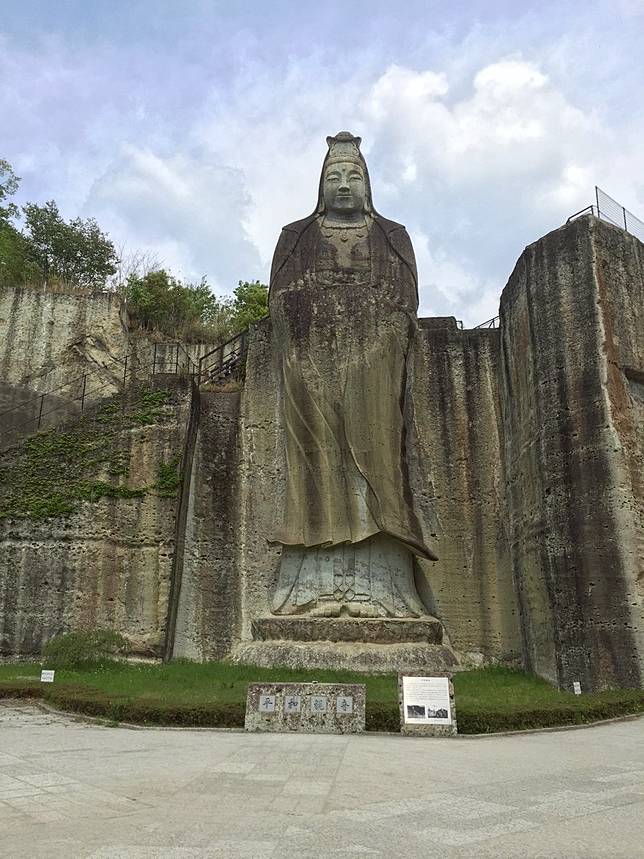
72 789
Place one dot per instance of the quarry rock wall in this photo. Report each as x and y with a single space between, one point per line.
526 460
572 329
208 603
48 342
457 470
107 565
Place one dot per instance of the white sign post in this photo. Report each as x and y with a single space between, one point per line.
427 705
47 676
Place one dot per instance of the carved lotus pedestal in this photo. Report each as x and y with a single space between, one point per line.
375 645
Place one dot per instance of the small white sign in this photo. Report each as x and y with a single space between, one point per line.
426 701
47 676
576 687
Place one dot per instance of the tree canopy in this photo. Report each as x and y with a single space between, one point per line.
157 300
73 252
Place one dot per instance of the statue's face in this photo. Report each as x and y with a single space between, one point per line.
344 188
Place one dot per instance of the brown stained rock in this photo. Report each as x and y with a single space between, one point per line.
208 614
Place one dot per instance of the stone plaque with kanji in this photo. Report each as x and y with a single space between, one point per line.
325 708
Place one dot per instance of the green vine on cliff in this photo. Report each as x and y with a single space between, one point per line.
169 478
56 470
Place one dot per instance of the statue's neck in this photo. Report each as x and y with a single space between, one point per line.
355 219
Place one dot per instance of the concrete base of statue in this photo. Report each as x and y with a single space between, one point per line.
373 645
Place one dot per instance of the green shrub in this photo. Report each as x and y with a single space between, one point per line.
78 649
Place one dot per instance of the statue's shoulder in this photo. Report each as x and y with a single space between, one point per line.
389 226
399 240
289 237
298 227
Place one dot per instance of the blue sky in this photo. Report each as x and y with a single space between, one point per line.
192 131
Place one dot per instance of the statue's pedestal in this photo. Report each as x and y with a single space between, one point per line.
428 630
374 645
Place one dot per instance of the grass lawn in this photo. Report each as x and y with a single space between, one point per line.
185 693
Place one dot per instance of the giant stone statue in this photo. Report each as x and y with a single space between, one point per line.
343 301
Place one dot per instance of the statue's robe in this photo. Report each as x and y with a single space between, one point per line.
344 315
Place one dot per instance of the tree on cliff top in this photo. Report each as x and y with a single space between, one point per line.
161 302
51 250
77 252
17 265
8 186
250 303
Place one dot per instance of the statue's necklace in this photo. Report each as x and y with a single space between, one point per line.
344 231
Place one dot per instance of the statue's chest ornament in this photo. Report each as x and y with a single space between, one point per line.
351 249
344 233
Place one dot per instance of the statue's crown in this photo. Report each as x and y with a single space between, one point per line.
344 147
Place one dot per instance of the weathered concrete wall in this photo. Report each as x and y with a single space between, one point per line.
208 603
457 471
572 323
108 565
455 467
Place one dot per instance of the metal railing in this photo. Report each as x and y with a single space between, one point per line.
177 362
608 209
490 323
223 361
87 391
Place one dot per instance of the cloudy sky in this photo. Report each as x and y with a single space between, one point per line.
193 130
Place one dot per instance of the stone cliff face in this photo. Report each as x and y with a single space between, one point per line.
48 342
572 324
107 561
207 591
456 453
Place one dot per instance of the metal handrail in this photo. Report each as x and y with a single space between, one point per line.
125 362
177 346
226 360
81 378
85 392
621 217
590 209
490 323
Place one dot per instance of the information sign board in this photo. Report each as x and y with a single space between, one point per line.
427 704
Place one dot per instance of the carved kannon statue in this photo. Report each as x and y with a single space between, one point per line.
343 301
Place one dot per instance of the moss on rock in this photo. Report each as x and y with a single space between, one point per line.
54 471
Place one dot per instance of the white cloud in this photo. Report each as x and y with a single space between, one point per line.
186 211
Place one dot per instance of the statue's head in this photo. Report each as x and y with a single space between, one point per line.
344 184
